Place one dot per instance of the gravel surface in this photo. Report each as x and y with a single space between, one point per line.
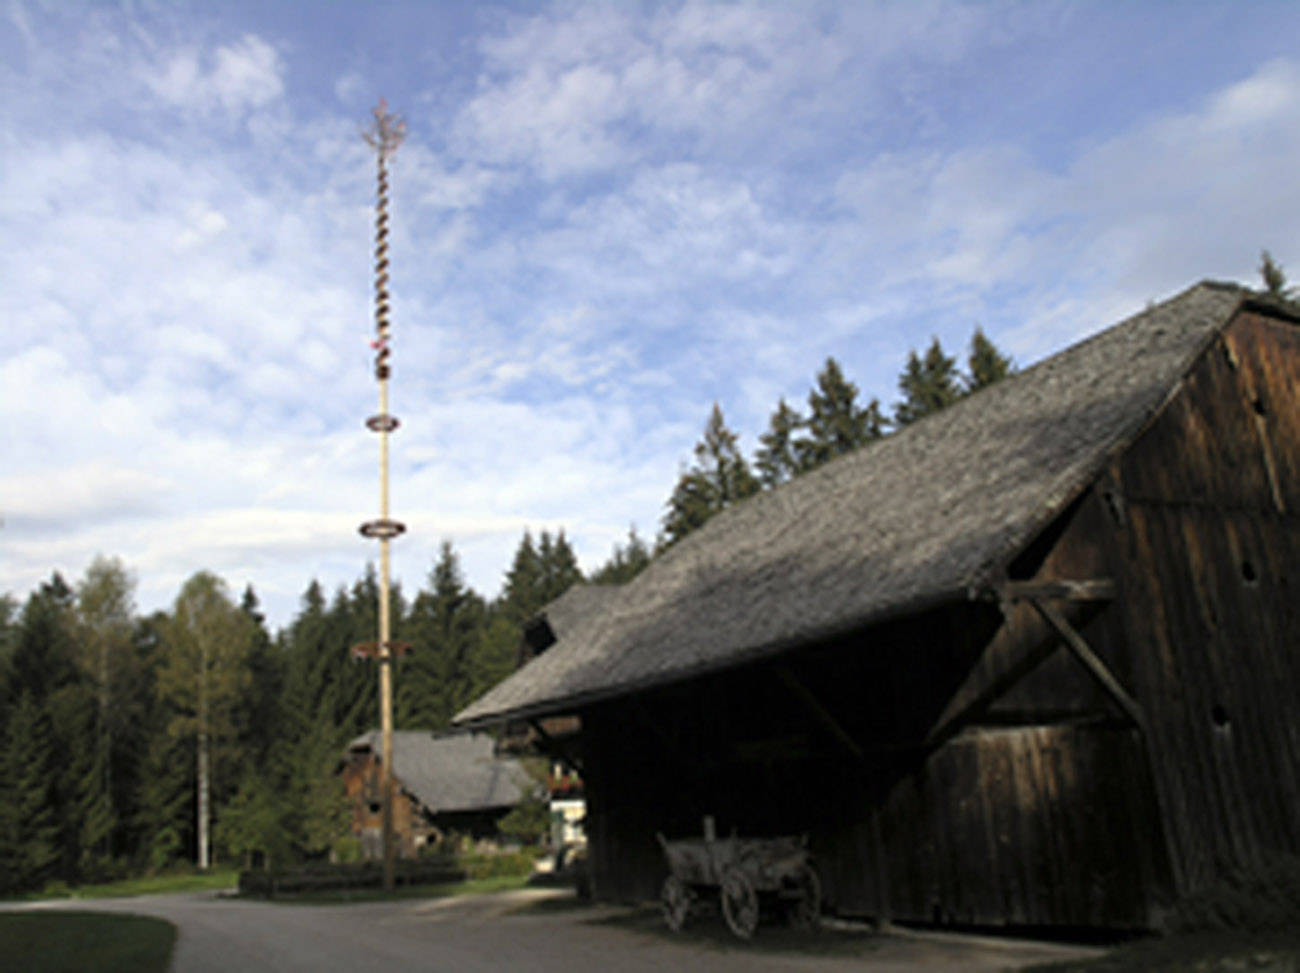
533 930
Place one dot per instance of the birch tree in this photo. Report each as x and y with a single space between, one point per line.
203 675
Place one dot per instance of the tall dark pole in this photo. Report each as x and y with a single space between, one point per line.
384 136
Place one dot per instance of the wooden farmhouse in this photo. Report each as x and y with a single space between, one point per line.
445 784
1033 660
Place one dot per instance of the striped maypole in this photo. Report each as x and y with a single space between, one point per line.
384 136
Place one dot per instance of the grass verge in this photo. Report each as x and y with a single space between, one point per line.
58 941
214 880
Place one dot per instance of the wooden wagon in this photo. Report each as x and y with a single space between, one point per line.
743 871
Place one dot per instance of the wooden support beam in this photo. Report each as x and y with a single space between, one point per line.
1028 661
1091 589
819 712
555 747
1096 668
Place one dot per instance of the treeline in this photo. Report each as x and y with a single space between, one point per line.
130 744
835 422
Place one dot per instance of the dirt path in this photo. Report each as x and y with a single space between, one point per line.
530 930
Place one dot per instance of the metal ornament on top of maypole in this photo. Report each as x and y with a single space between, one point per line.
384 136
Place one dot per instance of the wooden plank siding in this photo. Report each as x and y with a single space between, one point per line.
1210 557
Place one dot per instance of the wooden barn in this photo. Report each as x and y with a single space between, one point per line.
445 784
1034 660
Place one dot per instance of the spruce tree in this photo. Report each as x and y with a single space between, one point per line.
522 595
928 384
835 424
559 567
720 477
775 459
32 846
985 364
627 561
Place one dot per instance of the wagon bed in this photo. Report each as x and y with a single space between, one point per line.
741 870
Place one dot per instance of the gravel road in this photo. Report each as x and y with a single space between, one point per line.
523 931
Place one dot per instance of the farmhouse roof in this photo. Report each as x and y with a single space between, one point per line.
451 772
928 515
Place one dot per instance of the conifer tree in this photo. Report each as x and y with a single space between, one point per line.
775 459
522 594
835 423
559 566
30 848
627 561
719 478
1274 278
928 384
985 364
446 622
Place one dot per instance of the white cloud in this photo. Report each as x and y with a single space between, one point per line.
236 77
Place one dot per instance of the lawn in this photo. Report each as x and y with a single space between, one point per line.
215 880
58 941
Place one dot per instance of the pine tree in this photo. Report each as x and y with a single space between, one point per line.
985 364
928 384
720 477
775 459
836 424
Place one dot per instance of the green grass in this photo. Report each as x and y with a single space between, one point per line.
220 878
57 941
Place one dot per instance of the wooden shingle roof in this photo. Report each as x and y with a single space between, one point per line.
929 515
451 772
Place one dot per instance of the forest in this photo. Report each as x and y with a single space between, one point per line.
118 727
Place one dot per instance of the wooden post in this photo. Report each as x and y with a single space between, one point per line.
384 136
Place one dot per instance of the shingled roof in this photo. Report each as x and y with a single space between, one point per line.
452 772
929 515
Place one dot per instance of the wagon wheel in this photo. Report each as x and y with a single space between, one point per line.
739 903
808 906
675 901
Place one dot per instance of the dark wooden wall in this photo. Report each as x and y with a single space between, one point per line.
1208 548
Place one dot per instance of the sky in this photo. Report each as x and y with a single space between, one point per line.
605 218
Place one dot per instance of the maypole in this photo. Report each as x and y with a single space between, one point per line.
384 136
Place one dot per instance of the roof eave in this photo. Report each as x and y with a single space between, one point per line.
575 702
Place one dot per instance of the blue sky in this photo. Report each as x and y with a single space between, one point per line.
606 216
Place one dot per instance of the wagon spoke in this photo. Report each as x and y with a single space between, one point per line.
739 903
675 900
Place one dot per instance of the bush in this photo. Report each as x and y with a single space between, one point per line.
1260 899
516 864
